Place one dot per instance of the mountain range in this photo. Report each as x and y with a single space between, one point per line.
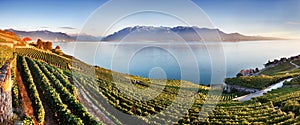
179 33
145 33
43 34
54 36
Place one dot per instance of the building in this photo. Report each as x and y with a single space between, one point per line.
247 72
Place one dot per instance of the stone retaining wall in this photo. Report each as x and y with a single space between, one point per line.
6 110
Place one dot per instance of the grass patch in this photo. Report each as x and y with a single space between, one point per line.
256 82
286 66
297 62
294 81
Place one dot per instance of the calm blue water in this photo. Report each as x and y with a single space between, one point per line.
180 61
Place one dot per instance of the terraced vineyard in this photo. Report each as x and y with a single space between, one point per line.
62 62
159 102
6 54
60 97
228 112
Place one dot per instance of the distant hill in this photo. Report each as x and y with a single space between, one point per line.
44 34
144 33
179 33
10 38
86 37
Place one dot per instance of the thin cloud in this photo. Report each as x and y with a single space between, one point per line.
294 22
44 27
67 27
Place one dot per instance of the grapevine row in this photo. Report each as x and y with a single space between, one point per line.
31 90
64 116
74 105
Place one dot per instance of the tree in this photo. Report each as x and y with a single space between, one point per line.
239 74
27 39
57 48
39 44
48 45
256 70
44 45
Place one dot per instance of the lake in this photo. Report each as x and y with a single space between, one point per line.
180 60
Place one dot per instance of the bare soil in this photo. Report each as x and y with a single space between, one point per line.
26 102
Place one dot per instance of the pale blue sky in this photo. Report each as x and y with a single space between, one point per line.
279 18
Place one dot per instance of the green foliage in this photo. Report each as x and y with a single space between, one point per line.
64 115
6 53
226 111
48 57
28 121
297 62
292 106
15 94
294 81
15 89
31 90
285 66
68 98
286 98
257 82
105 92
60 76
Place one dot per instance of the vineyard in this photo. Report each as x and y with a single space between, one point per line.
63 62
226 111
57 81
6 54
59 93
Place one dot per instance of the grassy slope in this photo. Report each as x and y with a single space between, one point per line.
267 77
257 82
297 62
286 66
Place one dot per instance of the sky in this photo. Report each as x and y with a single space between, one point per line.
274 18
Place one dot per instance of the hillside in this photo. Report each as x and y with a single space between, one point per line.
9 38
179 33
43 34
107 95
54 36
60 89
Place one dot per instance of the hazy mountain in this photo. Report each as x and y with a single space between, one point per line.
179 33
44 35
86 37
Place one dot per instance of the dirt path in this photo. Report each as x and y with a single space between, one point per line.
49 114
261 92
91 108
296 66
26 102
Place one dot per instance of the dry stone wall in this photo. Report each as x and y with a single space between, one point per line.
6 111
